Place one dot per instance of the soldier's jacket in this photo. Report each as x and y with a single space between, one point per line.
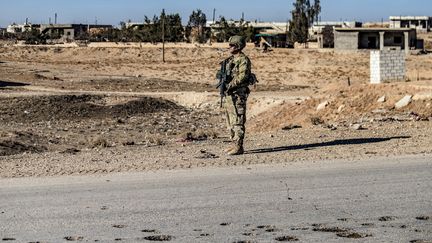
240 67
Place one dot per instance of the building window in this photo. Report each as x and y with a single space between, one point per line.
397 40
68 33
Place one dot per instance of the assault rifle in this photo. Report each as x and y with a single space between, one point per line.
224 76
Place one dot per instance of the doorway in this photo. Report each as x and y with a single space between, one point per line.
372 42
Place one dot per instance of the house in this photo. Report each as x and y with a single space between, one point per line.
323 31
420 23
318 27
20 28
68 32
275 33
375 38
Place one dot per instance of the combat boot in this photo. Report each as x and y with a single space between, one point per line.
236 150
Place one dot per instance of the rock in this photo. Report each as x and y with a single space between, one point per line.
404 102
357 127
332 127
340 109
382 99
322 105
379 111
423 96
316 121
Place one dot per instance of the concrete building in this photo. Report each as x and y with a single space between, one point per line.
318 27
19 28
259 27
375 38
68 32
270 28
420 23
274 32
323 31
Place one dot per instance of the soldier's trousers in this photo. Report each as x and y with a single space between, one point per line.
235 109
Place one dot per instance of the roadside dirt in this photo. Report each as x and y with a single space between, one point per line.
75 110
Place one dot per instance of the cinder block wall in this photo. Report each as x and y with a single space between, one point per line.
346 40
387 66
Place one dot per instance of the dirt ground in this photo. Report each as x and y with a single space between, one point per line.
102 109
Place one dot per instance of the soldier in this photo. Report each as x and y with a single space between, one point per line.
237 93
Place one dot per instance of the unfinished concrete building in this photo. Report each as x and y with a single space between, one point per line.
68 32
323 31
420 23
318 27
274 33
375 38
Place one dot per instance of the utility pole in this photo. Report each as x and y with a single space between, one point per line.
55 18
163 35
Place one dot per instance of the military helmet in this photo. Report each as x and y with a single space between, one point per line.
238 41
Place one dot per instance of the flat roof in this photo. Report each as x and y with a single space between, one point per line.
374 29
73 25
410 17
320 23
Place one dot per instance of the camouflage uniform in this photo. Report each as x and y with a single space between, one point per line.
237 94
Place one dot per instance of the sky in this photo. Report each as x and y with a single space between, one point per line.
115 11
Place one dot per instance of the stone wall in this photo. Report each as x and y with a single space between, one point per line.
387 66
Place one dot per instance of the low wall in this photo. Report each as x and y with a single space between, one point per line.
387 66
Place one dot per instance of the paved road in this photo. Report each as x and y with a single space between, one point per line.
381 200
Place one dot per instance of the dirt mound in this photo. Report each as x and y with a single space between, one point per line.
20 142
345 106
76 107
139 84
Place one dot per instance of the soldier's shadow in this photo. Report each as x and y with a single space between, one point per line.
337 142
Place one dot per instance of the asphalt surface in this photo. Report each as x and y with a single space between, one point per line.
379 200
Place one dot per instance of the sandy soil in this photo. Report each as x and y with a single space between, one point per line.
110 108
